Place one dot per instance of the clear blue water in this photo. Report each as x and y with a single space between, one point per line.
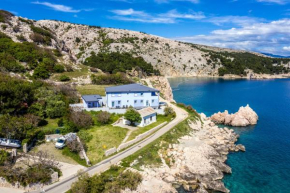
265 166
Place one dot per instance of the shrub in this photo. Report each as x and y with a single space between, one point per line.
64 78
60 122
103 117
80 120
78 40
168 111
16 29
55 106
74 145
5 16
4 156
21 38
58 68
85 136
3 26
41 72
133 116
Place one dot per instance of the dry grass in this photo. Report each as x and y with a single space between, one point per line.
92 89
50 149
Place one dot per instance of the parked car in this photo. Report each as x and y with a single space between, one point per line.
162 104
60 143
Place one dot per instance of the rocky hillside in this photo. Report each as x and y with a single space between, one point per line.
171 58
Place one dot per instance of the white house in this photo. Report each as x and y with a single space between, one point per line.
135 95
148 116
91 101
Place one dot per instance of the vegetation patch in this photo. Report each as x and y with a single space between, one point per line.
116 180
92 89
105 79
118 62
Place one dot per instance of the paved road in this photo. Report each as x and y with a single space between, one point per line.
65 184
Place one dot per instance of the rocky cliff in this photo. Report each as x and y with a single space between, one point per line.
76 42
197 163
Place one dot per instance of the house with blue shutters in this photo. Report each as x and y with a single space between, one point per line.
135 95
92 101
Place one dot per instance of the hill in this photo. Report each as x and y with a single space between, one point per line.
73 46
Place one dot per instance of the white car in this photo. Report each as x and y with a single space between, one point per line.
60 143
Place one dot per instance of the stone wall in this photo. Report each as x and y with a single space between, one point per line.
110 151
140 137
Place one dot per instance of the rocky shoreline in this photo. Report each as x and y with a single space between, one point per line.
196 163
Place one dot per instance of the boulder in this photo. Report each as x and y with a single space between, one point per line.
244 117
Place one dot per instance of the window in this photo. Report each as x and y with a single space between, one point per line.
153 101
127 101
141 94
150 118
119 102
135 101
141 101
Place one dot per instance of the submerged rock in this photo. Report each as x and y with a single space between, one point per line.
244 117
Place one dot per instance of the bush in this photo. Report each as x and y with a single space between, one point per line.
78 40
168 111
21 38
74 145
133 116
79 120
103 117
4 156
58 68
60 122
41 72
114 180
85 136
64 78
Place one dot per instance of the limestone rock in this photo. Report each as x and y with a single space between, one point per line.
244 117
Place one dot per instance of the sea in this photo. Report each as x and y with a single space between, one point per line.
265 166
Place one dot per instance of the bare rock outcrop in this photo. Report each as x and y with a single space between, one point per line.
161 83
244 117
196 163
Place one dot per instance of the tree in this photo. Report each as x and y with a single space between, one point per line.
168 111
133 116
103 117
74 145
55 107
79 120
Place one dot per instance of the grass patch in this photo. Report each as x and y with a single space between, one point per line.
149 154
92 89
84 71
74 156
57 154
160 119
51 126
104 138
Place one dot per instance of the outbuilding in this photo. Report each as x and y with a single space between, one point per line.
148 116
92 101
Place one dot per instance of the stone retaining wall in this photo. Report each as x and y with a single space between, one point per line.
110 151
140 137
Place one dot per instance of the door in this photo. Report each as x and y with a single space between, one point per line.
147 103
113 103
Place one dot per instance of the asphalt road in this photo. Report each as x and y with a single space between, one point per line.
65 184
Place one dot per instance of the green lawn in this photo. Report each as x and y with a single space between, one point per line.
104 138
160 119
92 89
51 126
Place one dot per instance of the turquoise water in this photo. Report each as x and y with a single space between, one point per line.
265 166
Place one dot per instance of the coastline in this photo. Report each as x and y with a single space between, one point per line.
197 163
236 77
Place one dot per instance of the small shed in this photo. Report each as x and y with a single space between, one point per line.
148 115
92 101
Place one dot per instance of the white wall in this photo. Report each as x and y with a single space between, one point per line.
135 100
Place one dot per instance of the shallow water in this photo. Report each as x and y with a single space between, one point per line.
265 166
